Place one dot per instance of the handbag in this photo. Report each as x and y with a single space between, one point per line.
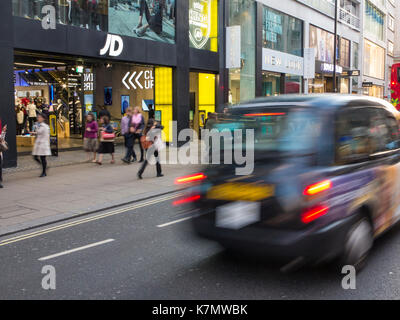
107 137
145 143
3 145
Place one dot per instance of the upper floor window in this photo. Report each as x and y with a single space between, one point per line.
374 21
282 32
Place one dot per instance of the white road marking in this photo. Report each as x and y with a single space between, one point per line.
76 249
176 221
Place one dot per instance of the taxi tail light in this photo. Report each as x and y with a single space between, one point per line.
191 178
190 199
318 188
314 213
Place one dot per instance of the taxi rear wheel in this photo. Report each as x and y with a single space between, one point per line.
358 243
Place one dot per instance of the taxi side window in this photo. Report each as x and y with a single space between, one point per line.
380 133
394 132
353 142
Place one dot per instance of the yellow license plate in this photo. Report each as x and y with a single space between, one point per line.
241 192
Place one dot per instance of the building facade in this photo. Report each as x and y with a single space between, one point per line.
70 58
282 42
182 58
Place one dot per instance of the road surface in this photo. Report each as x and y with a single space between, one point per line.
146 251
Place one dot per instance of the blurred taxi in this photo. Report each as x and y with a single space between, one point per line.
326 179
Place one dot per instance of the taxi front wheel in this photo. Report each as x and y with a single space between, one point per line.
358 243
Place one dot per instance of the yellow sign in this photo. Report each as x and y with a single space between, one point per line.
241 192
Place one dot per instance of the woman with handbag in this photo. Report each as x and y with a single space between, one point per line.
136 128
3 147
153 144
41 148
107 137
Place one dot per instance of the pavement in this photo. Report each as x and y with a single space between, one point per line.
74 188
148 251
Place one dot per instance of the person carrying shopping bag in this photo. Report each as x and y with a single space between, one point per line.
41 148
3 148
153 144
107 138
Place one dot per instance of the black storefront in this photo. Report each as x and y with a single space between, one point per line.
24 34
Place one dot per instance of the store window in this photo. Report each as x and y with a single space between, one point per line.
344 60
84 14
293 84
374 21
323 42
146 19
282 32
203 24
271 84
242 85
374 60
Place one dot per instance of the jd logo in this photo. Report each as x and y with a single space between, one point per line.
114 45
199 22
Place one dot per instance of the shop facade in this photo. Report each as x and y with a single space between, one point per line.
287 47
94 58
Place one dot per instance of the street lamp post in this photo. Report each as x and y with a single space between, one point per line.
335 48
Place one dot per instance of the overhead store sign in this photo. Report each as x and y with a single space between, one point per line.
139 80
276 61
114 46
199 22
233 47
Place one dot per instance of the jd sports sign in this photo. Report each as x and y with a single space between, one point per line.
114 46
199 22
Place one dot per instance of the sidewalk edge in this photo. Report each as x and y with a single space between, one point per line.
70 216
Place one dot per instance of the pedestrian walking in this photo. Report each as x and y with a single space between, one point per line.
41 148
107 138
3 148
136 128
153 143
90 140
126 124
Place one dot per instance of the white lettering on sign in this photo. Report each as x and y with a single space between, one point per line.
88 79
282 62
141 80
114 45
327 67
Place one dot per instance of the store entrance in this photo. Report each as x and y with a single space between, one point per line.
202 99
50 86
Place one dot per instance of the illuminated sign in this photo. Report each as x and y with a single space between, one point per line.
114 45
79 69
199 22
141 80
328 68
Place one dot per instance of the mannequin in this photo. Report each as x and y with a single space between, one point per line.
32 111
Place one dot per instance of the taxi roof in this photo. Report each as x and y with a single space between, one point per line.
331 101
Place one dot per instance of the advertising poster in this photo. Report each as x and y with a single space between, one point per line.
124 104
146 19
203 24
323 42
108 96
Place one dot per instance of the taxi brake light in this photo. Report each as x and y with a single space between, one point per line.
186 200
190 178
314 214
318 188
